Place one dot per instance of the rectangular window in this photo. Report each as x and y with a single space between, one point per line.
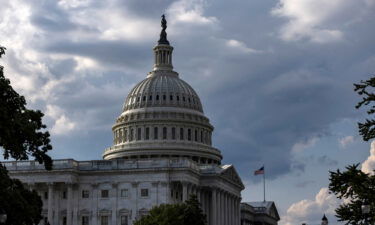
64 195
195 135
105 193
85 220
144 192
45 195
85 194
164 133
131 134
201 136
155 133
104 220
125 135
64 220
173 133
147 133
181 133
139 133
124 193
189 134
124 220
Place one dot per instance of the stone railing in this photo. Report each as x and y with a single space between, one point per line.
119 164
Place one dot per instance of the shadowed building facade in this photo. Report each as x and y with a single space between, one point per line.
162 152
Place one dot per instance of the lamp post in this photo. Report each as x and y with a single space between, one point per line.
365 210
3 218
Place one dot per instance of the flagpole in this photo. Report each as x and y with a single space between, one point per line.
264 183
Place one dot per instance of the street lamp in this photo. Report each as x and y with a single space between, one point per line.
365 207
3 218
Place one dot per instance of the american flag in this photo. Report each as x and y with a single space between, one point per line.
260 171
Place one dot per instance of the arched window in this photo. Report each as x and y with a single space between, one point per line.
178 98
201 136
183 98
195 135
171 97
147 133
173 133
157 97
164 133
156 133
164 97
139 133
144 98
150 97
189 134
181 133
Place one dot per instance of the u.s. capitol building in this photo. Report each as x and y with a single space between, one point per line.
161 153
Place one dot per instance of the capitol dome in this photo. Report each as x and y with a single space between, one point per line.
163 117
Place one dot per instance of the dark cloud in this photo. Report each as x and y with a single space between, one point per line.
261 103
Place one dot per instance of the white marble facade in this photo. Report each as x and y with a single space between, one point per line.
162 152
119 191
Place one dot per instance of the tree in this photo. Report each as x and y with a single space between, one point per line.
366 129
21 130
21 205
186 213
22 135
353 186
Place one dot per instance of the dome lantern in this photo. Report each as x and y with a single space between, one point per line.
163 51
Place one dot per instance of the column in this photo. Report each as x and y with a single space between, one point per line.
222 208
57 208
203 203
134 197
199 195
114 203
50 202
156 186
184 191
231 211
239 210
213 207
94 204
69 205
225 208
220 212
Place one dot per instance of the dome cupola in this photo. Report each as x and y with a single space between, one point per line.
163 116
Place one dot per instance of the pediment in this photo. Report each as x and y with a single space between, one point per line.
124 211
84 212
104 212
230 173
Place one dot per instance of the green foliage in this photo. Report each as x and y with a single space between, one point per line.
21 130
354 187
187 213
21 135
21 205
365 89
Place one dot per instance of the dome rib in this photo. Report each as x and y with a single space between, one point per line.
162 84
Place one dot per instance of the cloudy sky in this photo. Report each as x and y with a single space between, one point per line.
275 77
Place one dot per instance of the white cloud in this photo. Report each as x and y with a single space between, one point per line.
189 11
301 146
310 211
318 21
240 46
345 141
368 166
62 124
